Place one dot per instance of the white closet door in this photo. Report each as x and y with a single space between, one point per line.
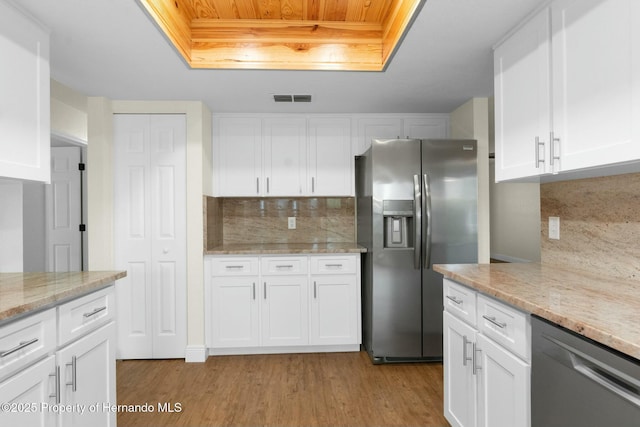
150 234
63 201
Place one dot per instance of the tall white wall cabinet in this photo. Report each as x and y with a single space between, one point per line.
150 234
24 85
566 96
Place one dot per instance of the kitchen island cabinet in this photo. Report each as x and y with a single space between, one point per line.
282 303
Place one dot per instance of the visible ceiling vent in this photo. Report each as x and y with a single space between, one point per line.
292 98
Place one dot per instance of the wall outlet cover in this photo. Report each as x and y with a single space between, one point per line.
554 227
291 222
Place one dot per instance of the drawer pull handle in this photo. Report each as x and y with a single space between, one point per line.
494 321
334 265
96 311
455 300
233 267
284 266
19 347
474 366
56 376
74 382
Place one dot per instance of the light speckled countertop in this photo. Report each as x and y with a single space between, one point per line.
22 293
285 248
602 308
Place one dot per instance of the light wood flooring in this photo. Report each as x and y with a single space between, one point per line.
323 389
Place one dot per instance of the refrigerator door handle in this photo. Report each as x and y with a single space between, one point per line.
427 219
417 221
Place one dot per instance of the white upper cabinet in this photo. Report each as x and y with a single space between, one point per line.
370 128
567 90
426 127
238 156
523 101
285 156
330 162
24 104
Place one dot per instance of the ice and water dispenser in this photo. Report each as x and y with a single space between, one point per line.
398 223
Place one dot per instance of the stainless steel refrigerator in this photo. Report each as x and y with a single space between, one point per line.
416 206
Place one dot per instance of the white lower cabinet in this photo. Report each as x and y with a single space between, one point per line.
486 379
276 304
76 372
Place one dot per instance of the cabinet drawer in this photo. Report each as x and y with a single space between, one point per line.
459 301
333 264
506 325
26 340
283 265
234 266
82 315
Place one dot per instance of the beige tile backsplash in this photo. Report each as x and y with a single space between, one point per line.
264 220
599 224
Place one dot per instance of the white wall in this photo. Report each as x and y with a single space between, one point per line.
471 121
11 249
100 190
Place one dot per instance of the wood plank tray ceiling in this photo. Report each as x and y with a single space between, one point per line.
358 35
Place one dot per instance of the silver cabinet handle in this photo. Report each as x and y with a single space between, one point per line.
313 185
417 215
475 366
553 142
538 143
19 347
455 300
333 265
96 311
257 185
74 382
315 293
267 185
465 357
56 385
494 321
283 266
254 290
265 290
229 267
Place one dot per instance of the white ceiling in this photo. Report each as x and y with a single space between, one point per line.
111 48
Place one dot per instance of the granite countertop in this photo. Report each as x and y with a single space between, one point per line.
22 293
285 248
599 307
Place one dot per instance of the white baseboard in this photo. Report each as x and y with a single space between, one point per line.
195 354
287 349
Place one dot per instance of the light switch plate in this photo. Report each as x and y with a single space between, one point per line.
554 227
291 222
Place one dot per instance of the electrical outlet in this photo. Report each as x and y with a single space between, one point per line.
554 227
291 222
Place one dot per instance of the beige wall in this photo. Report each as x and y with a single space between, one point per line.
471 121
68 113
100 189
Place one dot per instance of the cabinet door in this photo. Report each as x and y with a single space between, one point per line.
459 380
334 310
504 392
25 105
285 311
330 161
370 128
426 127
238 144
27 394
88 376
523 101
235 312
595 82
285 156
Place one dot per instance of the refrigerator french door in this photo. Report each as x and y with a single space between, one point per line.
417 206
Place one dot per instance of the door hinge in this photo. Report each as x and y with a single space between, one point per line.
81 166
83 227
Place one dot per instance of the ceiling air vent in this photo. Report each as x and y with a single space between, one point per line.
292 98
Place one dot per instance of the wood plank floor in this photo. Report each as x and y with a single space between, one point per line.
323 389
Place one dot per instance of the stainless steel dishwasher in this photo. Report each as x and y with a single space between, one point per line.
578 382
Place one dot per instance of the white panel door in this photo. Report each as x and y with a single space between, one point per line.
595 81
63 205
460 388
285 156
334 310
522 85
330 162
285 311
29 388
150 234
